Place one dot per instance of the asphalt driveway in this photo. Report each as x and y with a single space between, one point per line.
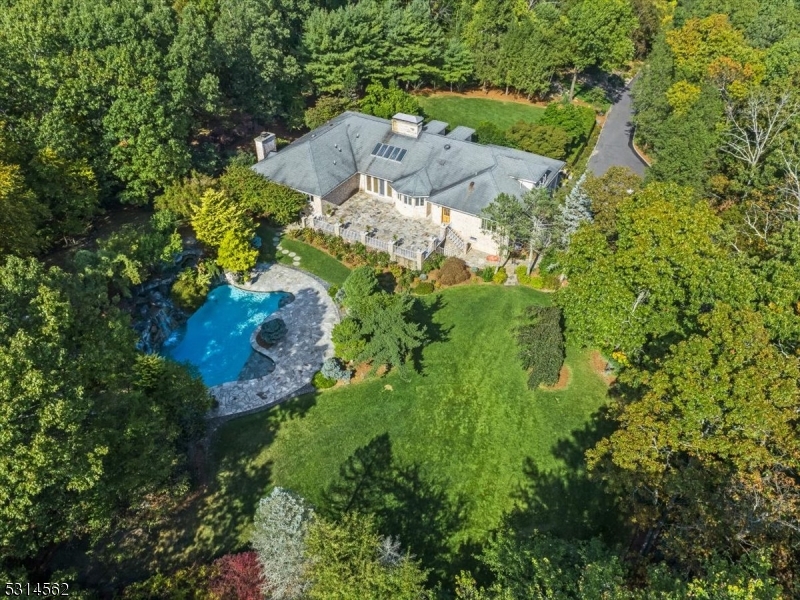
615 145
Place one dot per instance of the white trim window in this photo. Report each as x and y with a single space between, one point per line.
412 201
378 186
488 225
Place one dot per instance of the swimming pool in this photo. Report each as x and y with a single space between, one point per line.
216 338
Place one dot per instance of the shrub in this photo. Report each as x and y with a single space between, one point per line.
333 368
522 275
332 291
385 102
501 276
359 285
541 344
238 577
190 583
326 108
535 281
453 271
551 281
434 262
347 339
576 121
487 274
487 132
190 289
321 382
423 288
547 140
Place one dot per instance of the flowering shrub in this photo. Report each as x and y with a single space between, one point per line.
501 276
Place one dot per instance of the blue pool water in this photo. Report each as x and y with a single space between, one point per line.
216 339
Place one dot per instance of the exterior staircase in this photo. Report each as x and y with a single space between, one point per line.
453 238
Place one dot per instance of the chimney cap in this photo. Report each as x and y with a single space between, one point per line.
416 119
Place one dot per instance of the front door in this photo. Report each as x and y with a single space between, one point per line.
445 215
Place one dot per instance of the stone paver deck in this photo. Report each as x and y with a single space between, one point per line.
309 319
366 213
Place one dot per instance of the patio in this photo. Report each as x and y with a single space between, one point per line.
365 213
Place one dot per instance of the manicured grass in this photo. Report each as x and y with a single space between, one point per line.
312 260
470 445
469 111
480 438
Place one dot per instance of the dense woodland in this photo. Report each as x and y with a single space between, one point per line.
689 281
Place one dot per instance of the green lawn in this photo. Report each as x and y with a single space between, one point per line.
312 260
469 445
470 111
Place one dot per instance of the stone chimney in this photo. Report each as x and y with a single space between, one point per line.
265 143
408 125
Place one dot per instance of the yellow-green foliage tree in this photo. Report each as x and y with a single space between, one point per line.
223 225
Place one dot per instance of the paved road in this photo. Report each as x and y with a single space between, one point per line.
615 146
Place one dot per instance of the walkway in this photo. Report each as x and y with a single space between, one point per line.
615 146
309 319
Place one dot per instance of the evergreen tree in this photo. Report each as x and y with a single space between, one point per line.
575 210
280 530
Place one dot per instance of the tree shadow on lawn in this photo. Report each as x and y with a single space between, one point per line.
408 504
206 523
565 501
423 314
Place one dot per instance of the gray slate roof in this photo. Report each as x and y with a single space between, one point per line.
438 167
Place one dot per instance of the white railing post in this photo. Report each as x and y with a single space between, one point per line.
419 260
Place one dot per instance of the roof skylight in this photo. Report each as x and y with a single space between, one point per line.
389 152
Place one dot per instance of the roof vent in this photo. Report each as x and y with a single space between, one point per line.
334 162
447 146
471 185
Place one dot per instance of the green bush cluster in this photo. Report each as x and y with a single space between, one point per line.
562 130
501 276
434 262
193 284
356 254
423 288
487 274
333 290
541 344
453 270
546 281
321 382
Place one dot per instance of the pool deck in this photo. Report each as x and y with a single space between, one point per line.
309 319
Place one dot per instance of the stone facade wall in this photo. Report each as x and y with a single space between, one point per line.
344 190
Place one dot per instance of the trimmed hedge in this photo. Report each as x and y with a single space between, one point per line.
423 288
321 382
541 344
501 276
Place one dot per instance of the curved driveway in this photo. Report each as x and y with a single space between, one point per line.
615 145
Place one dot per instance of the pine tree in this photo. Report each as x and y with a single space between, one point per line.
575 210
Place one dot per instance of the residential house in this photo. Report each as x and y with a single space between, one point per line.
407 183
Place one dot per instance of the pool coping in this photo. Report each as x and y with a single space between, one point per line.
298 356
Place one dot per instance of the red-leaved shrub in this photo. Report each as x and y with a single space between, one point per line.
238 577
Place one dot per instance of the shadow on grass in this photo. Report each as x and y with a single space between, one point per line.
407 503
208 522
423 314
566 502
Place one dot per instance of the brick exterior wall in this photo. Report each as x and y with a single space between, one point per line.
344 190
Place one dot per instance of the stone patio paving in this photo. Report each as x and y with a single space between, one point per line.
309 319
367 213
